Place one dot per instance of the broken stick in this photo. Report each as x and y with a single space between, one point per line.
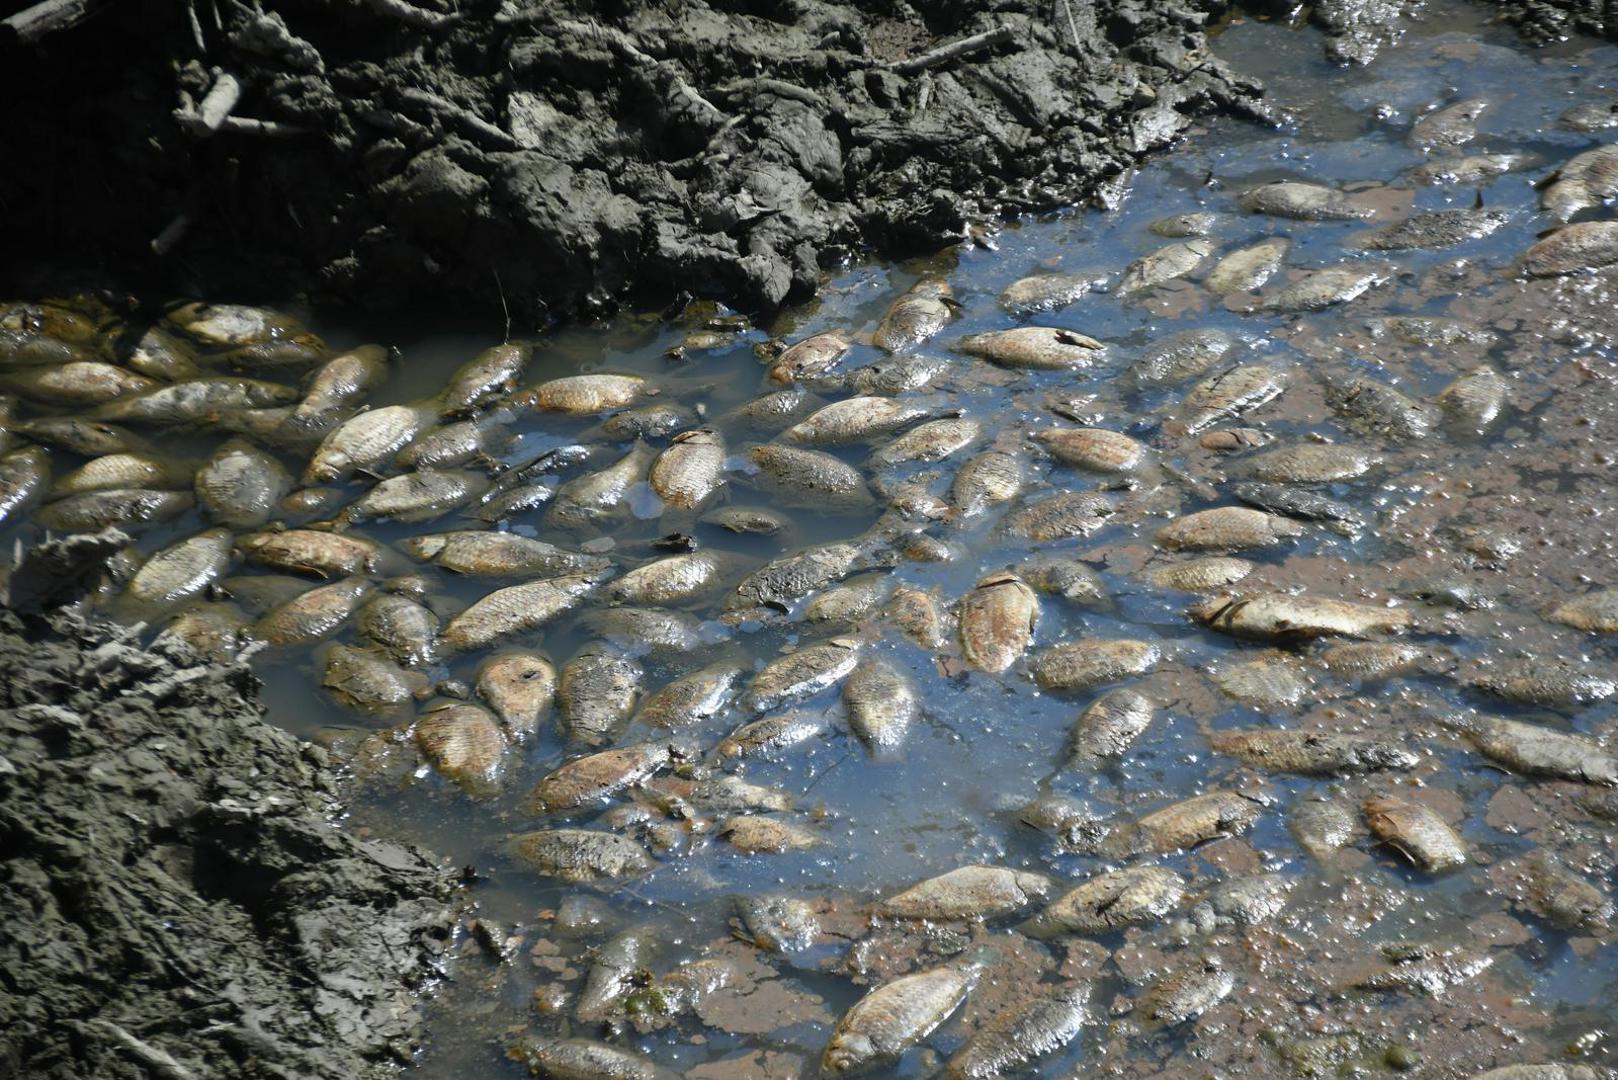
954 50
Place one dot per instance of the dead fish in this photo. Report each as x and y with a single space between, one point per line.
1065 577
126 470
882 706
989 479
692 698
1227 528
1317 290
460 443
90 438
515 610
498 554
594 778
895 375
811 478
181 570
1185 824
1110 901
782 582
1084 665
1472 169
585 1059
599 496
1585 182
894 1017
810 358
343 380
584 395
491 374
997 620
1448 127
597 694
581 855
1322 825
1310 753
1043 292
642 630
1430 231
1431 331
1475 399
856 419
1286 617
422 495
933 441
368 681
1037 348
1537 751
318 613
782 924
1108 726
310 551
916 615
1573 249
1272 682
849 602
241 486
1187 993
648 422
1199 575
691 470
773 411
722 792
781 731
673 580
1422 966
1194 223
1378 408
1230 394
1163 265
1300 503
1313 463
1596 612
1095 449
746 520
755 834
1415 831
212 629
1546 681
1372 660
1181 356
916 316
1246 901
366 441
195 400
233 324
613 974
92 511
1248 268
519 688
802 673
1301 201
78 384
969 892
1016 1037
406 630
1060 517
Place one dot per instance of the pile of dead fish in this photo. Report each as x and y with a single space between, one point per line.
295 475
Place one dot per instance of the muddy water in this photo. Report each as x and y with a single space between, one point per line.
1476 535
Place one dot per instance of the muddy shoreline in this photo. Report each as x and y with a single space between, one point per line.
178 896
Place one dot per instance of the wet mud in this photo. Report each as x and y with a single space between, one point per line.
557 157
178 898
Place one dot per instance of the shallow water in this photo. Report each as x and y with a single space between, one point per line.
1539 476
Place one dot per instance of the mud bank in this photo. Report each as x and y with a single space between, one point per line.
567 156
176 898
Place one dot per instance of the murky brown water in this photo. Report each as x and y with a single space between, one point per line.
1283 948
